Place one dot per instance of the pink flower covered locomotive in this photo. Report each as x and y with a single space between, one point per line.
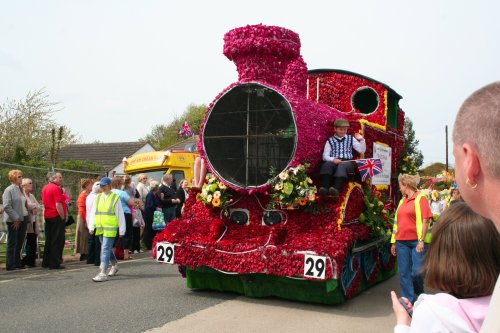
258 226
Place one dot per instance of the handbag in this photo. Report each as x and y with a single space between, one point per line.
70 220
158 220
119 251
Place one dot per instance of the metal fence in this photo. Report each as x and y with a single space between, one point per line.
71 181
71 178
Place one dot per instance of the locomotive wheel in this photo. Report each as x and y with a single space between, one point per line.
370 264
351 275
386 257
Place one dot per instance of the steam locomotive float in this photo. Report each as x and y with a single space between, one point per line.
257 227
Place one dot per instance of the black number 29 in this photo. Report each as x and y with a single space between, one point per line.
314 266
165 253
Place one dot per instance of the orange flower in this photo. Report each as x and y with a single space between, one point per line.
302 202
198 196
216 202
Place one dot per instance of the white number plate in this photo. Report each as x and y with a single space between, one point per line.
314 266
165 253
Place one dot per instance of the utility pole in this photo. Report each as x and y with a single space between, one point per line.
446 133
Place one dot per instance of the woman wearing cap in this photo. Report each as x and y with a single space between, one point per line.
338 148
409 235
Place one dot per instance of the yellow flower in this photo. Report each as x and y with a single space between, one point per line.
216 202
283 175
209 198
217 194
222 186
198 196
278 186
309 180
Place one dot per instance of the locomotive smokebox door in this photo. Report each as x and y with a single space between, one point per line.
250 129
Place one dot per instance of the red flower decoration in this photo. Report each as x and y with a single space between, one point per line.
205 236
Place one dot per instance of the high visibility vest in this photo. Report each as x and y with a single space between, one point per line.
419 221
105 221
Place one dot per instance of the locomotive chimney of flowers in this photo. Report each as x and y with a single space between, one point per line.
264 53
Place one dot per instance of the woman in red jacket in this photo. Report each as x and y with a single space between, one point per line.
82 233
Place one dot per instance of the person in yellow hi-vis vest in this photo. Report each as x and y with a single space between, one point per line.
107 220
409 236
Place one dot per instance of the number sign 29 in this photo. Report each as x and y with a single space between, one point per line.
165 253
314 266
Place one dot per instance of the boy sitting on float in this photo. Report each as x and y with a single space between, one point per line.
337 157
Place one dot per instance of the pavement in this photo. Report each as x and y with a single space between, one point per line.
70 262
371 311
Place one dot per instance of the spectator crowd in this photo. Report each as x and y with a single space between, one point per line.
135 207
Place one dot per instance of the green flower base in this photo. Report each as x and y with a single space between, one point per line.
261 285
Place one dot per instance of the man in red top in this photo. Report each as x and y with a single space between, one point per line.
54 214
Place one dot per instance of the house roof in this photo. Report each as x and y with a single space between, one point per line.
108 155
190 144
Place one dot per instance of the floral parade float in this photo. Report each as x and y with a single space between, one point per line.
258 227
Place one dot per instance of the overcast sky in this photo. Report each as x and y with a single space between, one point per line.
119 67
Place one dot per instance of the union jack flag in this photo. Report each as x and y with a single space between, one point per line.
185 131
369 167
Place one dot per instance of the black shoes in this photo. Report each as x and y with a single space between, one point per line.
323 192
331 191
58 267
15 268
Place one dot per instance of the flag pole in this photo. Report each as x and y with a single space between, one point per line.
446 134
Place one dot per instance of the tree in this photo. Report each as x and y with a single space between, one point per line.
433 169
164 135
26 126
411 158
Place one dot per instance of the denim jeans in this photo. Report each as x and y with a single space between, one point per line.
411 281
15 240
107 254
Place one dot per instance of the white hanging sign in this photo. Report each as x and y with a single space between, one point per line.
384 153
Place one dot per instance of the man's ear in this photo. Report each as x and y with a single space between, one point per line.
471 163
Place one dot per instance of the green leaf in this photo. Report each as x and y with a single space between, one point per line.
287 188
